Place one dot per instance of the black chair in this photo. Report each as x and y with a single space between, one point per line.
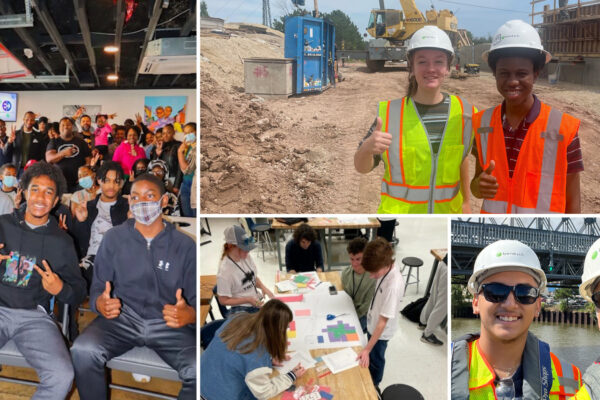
222 309
401 392
411 262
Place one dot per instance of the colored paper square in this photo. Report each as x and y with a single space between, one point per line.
320 339
352 337
302 313
292 325
301 285
290 299
291 334
301 279
325 395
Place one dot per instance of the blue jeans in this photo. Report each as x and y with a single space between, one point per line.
377 360
185 193
237 309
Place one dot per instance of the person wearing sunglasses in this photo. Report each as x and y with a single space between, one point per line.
237 281
506 361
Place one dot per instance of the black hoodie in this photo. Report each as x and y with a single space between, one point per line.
20 284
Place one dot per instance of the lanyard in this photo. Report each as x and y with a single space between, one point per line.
246 274
377 289
354 288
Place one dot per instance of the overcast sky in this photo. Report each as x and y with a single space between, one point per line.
481 20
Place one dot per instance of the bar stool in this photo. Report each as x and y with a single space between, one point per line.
411 262
401 392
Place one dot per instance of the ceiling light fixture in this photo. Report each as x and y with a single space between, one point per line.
112 77
111 49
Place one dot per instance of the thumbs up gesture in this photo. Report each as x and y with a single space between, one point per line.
488 185
180 314
379 141
110 308
50 281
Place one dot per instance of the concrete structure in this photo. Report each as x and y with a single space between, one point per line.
269 77
208 23
472 55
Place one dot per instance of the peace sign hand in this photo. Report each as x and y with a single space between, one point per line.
50 281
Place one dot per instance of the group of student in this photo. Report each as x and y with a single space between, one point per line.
243 349
505 360
137 270
528 154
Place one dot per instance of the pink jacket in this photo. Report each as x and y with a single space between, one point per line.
122 156
101 135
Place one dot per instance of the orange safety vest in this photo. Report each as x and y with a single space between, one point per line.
539 181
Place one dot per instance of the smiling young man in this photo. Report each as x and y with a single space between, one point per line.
144 290
38 261
506 361
528 153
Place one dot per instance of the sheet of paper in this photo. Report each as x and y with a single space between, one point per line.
285 286
290 299
341 360
298 357
302 313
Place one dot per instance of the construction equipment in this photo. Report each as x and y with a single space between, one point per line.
391 28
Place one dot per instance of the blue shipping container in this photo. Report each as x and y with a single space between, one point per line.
310 41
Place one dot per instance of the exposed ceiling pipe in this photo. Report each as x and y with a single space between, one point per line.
87 37
156 11
119 34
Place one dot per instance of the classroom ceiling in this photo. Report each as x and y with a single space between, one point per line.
78 30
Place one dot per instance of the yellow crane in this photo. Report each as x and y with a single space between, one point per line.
391 28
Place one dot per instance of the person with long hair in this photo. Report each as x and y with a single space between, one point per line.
238 362
238 283
423 138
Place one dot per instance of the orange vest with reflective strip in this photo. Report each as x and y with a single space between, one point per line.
566 380
539 181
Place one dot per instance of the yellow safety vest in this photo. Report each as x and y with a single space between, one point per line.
566 379
415 180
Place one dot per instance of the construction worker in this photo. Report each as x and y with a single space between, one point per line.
590 290
506 361
528 154
423 138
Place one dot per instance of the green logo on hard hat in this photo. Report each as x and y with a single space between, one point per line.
499 254
595 255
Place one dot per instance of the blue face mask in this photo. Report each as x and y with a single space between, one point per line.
86 182
190 137
9 181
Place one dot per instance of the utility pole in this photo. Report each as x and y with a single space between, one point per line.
267 13
316 9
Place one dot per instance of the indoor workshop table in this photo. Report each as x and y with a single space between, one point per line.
351 384
324 227
207 283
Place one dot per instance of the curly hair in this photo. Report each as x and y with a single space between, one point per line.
378 254
110 166
357 245
43 168
304 231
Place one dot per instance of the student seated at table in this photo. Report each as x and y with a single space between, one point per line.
237 279
303 253
238 363
357 282
378 260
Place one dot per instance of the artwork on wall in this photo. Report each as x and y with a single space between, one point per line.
91 110
162 110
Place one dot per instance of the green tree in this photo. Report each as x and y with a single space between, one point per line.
345 30
482 39
203 9
279 24
565 293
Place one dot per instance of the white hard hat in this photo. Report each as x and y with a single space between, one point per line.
516 34
430 37
591 271
506 255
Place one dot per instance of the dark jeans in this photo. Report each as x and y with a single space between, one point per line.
105 339
386 230
185 192
237 309
363 323
377 360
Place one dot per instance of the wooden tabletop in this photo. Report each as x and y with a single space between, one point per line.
439 254
329 223
335 277
207 283
204 310
351 384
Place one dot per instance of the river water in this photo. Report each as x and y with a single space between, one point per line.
577 345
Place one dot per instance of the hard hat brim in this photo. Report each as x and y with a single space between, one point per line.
486 53
586 289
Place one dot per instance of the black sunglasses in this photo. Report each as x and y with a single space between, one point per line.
498 292
596 299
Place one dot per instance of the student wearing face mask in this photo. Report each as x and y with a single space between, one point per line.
186 155
144 292
87 181
139 167
9 180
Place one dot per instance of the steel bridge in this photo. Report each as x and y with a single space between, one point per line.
560 243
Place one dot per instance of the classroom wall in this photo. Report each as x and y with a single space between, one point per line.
123 102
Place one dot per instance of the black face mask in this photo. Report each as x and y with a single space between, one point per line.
138 172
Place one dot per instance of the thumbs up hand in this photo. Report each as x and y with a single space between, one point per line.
110 308
488 185
180 314
379 141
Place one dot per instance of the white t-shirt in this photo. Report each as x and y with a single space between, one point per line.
386 302
232 282
101 224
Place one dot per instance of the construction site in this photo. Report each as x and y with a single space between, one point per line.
293 153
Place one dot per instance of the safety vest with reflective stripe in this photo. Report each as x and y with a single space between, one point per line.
415 180
539 181
566 379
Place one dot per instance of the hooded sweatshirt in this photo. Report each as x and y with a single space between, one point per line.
20 284
145 275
